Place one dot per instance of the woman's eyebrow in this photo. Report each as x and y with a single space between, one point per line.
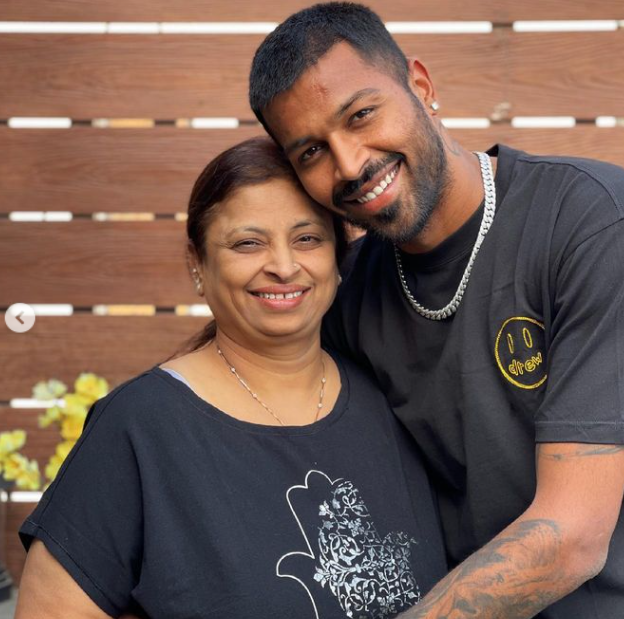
247 229
307 222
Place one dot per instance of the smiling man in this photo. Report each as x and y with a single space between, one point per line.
487 298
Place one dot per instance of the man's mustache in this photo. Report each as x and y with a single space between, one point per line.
351 187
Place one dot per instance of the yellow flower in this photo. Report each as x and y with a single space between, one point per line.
55 462
52 467
30 477
76 405
63 449
71 427
51 415
14 465
91 386
49 390
11 441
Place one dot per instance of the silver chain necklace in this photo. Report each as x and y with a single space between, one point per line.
319 406
488 217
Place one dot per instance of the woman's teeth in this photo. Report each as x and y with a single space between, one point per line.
270 295
379 189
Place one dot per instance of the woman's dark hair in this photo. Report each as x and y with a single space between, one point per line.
252 162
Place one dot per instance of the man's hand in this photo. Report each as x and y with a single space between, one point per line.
560 541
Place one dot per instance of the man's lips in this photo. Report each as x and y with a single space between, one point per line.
376 186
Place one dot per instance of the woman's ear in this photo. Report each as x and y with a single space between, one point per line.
194 266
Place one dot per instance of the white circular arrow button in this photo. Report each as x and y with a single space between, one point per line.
20 317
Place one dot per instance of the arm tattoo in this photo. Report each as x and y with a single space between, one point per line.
515 576
582 451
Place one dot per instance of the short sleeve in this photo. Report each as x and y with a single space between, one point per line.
90 518
584 400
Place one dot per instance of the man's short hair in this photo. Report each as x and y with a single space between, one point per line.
299 42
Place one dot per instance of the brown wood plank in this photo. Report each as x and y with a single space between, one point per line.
500 11
16 513
167 77
467 70
86 170
114 347
125 76
582 141
171 76
87 263
570 74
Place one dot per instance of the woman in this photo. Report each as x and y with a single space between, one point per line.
255 475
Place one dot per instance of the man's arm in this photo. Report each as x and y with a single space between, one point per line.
557 544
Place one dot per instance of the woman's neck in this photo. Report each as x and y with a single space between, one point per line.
276 361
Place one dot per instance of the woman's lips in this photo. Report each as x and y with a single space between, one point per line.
276 298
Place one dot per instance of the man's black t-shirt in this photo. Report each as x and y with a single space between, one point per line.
170 509
535 352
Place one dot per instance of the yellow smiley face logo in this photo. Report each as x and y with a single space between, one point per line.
519 352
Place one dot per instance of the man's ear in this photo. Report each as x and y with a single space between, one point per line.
419 82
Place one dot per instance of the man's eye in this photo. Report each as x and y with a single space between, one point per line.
362 113
310 152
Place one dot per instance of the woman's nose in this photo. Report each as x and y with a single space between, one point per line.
283 265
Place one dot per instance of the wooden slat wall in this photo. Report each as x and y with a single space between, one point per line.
131 262
87 170
181 76
499 11
16 513
116 347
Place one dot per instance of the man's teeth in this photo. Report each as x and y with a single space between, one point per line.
270 295
378 189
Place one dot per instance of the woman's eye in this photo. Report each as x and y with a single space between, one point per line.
309 239
246 244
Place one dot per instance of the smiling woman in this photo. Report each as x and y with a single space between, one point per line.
253 472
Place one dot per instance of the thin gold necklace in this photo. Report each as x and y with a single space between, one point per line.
254 395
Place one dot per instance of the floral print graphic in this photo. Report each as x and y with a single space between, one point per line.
370 576
367 576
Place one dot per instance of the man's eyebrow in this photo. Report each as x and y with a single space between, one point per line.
365 92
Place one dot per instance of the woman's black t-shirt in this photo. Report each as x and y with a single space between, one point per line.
169 508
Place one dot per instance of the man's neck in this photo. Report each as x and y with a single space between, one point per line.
462 197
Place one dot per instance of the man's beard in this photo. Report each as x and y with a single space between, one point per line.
430 182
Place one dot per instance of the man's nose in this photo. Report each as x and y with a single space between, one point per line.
350 158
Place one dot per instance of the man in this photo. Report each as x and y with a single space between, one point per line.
514 387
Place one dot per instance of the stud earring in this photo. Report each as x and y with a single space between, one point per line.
435 106
198 283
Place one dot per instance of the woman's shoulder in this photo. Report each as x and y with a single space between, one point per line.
140 395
